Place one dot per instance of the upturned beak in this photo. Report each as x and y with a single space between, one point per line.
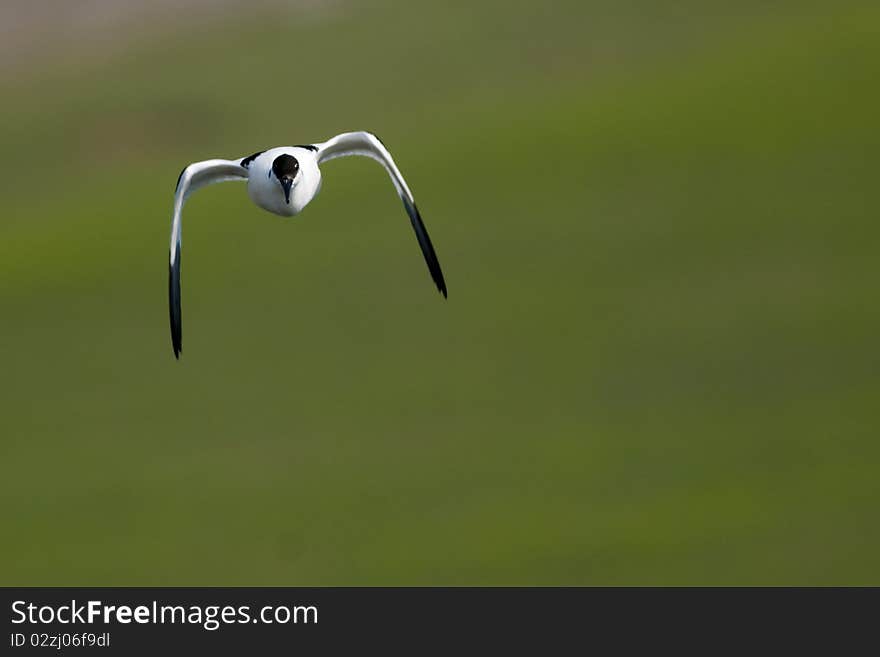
286 184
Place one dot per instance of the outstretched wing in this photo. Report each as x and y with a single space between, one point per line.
192 178
368 145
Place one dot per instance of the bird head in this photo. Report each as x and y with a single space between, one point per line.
285 168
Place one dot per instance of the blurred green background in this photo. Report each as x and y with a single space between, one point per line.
658 361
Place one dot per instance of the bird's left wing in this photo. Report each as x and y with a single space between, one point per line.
193 177
369 145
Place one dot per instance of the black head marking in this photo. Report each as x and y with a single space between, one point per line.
308 147
246 162
285 166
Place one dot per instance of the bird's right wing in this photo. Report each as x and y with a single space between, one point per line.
369 145
193 177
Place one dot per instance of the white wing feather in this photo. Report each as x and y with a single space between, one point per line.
196 176
368 145
193 177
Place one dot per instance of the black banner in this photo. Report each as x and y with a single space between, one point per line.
131 621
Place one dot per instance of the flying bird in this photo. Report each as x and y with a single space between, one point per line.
283 180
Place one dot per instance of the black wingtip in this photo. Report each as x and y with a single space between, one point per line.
174 304
425 242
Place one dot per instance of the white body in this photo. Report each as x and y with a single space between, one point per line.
264 189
